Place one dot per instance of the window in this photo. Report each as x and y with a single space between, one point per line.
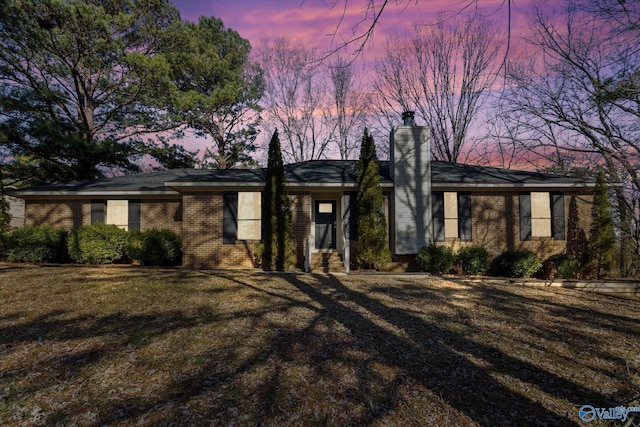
249 214
451 216
123 213
242 213
542 215
118 213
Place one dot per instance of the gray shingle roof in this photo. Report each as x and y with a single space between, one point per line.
322 172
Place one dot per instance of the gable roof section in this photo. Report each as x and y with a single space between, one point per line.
319 173
445 174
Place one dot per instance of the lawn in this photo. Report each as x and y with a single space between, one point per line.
125 345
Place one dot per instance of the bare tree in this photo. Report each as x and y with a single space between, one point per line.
352 106
441 71
585 88
362 31
296 99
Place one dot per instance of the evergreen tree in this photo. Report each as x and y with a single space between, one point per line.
600 254
276 213
5 218
371 243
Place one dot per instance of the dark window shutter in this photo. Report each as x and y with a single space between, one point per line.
97 211
134 215
464 216
230 218
525 216
350 219
438 216
557 216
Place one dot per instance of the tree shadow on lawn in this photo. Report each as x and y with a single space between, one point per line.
419 351
572 321
441 367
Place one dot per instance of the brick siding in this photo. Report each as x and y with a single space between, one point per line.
198 218
496 224
161 214
203 245
71 213
63 213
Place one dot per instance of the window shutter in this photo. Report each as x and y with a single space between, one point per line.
134 215
350 219
525 216
97 211
438 216
230 218
464 217
557 216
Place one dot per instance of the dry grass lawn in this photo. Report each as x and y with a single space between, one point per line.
127 345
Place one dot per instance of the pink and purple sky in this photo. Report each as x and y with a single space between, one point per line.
315 21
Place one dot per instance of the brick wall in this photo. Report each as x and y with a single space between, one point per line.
301 217
203 245
202 242
496 224
71 213
64 213
161 214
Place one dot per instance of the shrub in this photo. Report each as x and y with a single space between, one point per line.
517 264
160 247
567 266
42 243
474 259
436 259
98 243
133 248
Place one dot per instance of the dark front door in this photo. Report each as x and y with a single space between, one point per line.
325 224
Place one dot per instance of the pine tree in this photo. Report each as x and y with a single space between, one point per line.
371 242
276 213
601 246
5 218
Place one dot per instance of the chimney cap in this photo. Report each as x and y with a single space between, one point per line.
407 118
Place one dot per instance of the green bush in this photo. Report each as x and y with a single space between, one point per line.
436 259
567 266
42 243
160 247
474 259
98 244
517 264
133 248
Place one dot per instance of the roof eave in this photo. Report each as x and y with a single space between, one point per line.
43 193
514 185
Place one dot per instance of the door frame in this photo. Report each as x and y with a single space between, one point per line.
334 233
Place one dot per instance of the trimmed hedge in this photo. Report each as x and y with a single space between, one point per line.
436 259
474 260
160 247
42 243
517 264
98 244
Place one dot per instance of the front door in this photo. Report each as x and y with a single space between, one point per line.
325 224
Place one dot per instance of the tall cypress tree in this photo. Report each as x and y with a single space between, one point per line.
276 212
371 243
601 245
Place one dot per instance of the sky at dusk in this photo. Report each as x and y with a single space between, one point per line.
315 21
